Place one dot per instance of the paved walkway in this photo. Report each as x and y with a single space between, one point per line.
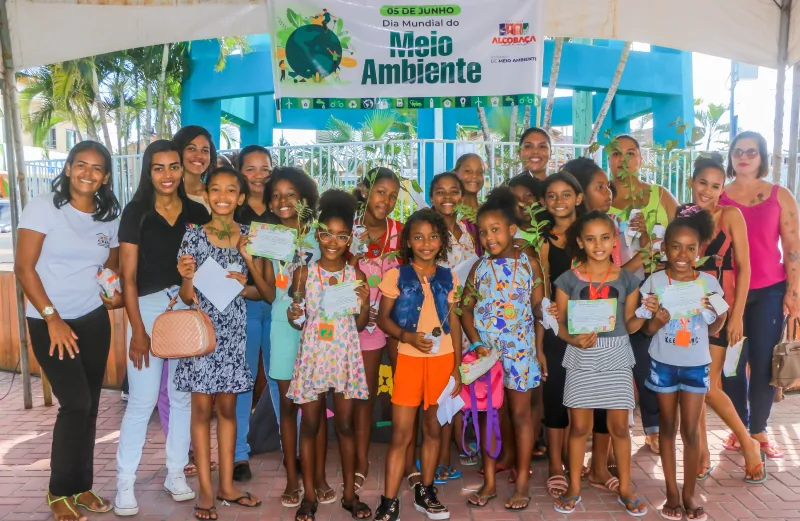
25 438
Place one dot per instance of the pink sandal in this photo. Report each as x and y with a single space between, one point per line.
732 443
771 450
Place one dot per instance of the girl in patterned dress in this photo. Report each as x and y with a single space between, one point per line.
446 194
502 291
377 193
216 378
330 355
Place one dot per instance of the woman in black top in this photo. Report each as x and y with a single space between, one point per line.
151 231
256 165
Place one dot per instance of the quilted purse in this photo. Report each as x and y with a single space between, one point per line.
184 333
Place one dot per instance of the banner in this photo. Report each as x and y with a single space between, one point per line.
366 54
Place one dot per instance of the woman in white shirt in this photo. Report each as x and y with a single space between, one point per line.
64 238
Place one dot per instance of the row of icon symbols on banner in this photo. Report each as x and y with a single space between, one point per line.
408 103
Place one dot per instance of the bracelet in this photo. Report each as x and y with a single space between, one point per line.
475 345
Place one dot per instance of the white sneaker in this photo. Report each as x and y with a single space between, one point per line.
176 485
125 502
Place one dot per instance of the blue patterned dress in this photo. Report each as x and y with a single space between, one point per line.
504 318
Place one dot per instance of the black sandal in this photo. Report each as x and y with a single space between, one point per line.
357 507
307 510
240 501
211 512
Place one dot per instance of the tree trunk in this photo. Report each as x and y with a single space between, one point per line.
526 117
512 128
75 124
101 108
162 90
486 134
551 87
612 90
148 111
91 128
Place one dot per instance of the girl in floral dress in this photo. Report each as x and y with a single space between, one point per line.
500 296
330 355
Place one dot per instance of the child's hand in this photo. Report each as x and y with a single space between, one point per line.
238 276
456 374
661 317
542 361
114 302
651 303
584 341
362 292
707 304
418 341
636 223
244 240
294 312
552 309
482 351
187 267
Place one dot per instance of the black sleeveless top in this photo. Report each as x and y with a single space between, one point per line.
559 261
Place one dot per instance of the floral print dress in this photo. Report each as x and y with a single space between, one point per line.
504 318
225 369
330 355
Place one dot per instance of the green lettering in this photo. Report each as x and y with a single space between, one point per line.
431 73
400 47
474 72
389 74
448 72
369 76
421 44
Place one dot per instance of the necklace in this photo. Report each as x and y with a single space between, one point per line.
508 308
594 294
375 249
424 271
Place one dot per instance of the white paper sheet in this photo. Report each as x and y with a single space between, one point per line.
212 281
358 246
340 300
732 355
631 232
718 303
437 340
463 269
448 406
548 320
683 300
273 243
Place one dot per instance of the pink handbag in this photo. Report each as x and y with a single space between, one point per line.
483 395
184 333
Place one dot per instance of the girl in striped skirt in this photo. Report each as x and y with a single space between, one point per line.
598 360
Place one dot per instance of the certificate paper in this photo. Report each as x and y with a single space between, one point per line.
213 282
340 300
683 299
586 316
272 241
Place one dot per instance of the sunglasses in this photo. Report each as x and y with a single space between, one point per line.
750 153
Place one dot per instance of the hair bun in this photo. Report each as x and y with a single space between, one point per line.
709 159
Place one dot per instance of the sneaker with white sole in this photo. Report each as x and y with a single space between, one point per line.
125 502
180 490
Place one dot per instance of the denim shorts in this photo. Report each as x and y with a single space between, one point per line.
665 378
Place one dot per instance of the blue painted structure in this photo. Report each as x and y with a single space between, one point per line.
659 81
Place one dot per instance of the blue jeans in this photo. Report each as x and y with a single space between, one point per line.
666 378
763 326
259 319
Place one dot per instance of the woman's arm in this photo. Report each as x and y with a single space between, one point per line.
469 298
790 240
262 289
537 293
737 231
27 252
669 202
139 349
363 293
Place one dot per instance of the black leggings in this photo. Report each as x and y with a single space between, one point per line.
76 383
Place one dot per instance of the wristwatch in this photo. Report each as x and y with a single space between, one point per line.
47 311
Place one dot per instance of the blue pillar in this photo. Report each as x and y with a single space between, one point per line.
450 131
206 113
265 118
426 129
667 109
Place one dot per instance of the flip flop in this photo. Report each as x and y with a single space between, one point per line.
363 480
705 472
239 501
611 485
557 486
628 504
483 501
676 517
467 460
211 512
321 493
731 442
286 499
357 507
698 514
452 474
107 505
576 499
527 503
752 471
771 450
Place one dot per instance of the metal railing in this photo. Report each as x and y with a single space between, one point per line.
341 165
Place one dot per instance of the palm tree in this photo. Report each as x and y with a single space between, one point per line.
551 87
612 90
709 119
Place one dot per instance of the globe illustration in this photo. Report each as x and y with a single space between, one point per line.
313 49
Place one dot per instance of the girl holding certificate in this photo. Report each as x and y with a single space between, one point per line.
288 188
597 305
498 313
728 244
680 352
330 355
380 239
217 378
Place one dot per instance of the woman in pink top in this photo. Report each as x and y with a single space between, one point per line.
377 193
770 212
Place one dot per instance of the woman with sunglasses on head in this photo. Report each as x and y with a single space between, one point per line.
199 159
535 149
770 212
64 236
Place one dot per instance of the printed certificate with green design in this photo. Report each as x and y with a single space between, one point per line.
591 316
272 241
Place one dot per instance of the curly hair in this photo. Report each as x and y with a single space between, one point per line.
305 186
500 199
694 218
338 204
426 215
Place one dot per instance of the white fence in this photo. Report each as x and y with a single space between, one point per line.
341 165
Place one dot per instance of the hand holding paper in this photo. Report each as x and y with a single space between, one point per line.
272 241
214 283
548 320
448 405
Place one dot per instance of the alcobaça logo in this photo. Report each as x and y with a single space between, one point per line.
516 33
